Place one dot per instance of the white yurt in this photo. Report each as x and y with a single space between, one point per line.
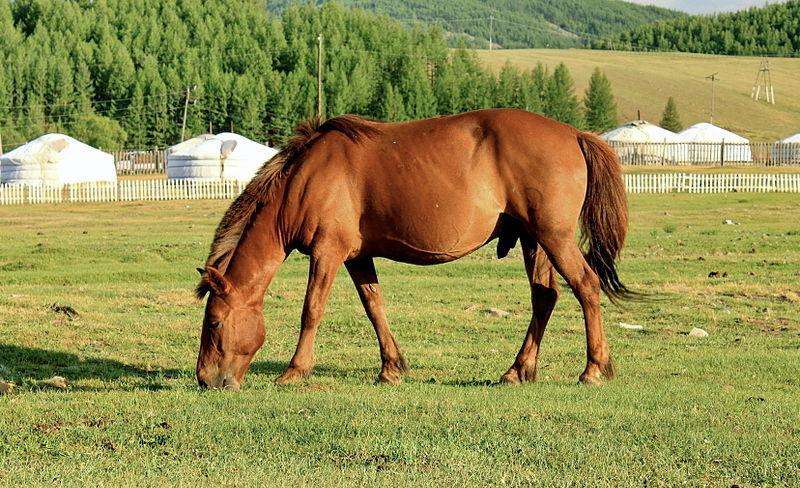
640 142
705 145
212 157
56 159
787 151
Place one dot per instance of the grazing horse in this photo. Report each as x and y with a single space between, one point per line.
424 192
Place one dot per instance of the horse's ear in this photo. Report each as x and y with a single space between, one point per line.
201 271
216 281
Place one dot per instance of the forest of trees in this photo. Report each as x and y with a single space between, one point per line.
773 30
517 23
113 72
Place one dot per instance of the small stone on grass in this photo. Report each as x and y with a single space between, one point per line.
623 325
56 382
697 332
496 312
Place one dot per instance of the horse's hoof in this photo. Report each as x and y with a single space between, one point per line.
589 380
290 376
390 378
517 375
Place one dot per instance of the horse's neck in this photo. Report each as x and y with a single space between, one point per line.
260 252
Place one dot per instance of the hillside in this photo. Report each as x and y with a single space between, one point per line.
644 81
517 23
773 30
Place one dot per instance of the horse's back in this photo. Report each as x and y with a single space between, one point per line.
433 190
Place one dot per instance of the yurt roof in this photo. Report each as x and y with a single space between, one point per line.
639 131
795 139
228 144
51 143
705 132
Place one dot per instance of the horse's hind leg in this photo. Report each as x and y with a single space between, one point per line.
544 294
393 364
569 261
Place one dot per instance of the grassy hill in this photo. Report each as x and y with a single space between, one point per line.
644 81
517 23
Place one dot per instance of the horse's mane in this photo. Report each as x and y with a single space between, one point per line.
242 212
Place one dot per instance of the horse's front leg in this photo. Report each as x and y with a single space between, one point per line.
321 274
393 364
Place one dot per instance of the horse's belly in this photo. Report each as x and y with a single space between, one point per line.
434 239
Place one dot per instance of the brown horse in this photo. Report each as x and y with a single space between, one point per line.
423 192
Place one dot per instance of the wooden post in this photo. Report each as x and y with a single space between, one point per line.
319 78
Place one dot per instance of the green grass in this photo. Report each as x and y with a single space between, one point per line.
717 411
644 81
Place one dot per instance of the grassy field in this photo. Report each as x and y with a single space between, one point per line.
644 81
716 411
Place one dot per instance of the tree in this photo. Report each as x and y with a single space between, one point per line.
560 102
670 120
99 131
393 106
601 110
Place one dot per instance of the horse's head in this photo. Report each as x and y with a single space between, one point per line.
233 331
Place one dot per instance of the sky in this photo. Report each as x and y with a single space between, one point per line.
705 6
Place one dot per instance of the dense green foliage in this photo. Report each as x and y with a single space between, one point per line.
683 412
601 109
560 101
115 72
773 30
517 23
670 119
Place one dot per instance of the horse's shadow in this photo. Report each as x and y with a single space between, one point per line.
29 366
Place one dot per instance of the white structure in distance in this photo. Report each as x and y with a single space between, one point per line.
707 143
225 156
640 142
56 159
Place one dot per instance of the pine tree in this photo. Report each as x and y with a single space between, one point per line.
393 106
601 110
560 102
670 119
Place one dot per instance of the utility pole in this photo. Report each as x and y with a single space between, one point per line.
186 109
713 78
319 77
491 30
764 79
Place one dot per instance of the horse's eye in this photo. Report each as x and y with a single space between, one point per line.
215 325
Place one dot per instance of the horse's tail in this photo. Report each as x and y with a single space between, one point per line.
604 217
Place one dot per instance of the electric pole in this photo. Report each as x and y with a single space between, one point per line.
764 79
319 77
713 78
186 109
491 30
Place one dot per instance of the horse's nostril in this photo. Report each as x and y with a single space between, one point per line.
202 383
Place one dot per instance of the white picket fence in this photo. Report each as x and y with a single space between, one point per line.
122 191
712 183
138 190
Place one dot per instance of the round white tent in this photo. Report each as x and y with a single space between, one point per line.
212 157
707 143
56 159
642 142
787 150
